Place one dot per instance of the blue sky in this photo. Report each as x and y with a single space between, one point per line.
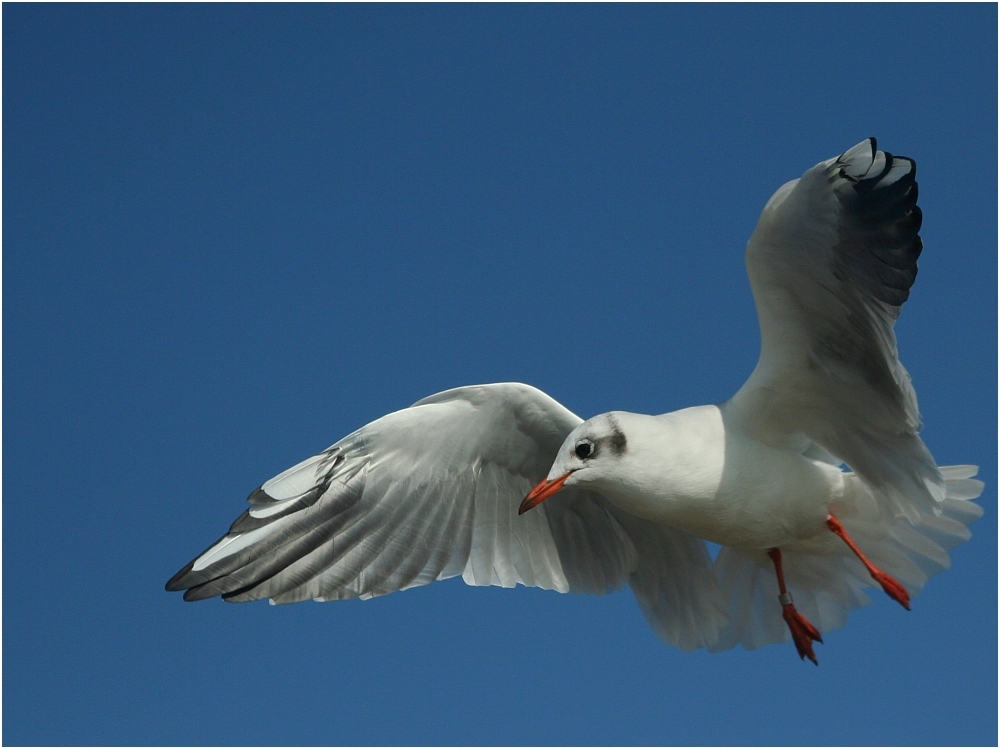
233 234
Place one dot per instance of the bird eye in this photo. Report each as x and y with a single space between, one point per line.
584 450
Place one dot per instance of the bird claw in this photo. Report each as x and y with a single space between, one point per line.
803 632
892 587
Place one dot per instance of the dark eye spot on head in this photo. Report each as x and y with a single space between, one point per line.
584 450
617 442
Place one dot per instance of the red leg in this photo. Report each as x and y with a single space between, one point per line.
803 632
893 588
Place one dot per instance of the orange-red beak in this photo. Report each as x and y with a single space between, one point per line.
543 491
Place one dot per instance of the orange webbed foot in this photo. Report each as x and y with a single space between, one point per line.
803 632
892 587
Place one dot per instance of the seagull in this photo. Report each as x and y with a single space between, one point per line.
812 479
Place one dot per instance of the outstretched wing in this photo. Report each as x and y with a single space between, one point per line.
831 262
422 494
432 492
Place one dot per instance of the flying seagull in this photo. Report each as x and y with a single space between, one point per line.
812 478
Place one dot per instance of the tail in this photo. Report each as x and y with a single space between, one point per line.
824 577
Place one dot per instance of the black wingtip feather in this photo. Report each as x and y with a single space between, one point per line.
259 497
883 217
175 583
197 593
187 577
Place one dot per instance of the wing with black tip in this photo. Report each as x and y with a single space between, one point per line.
831 262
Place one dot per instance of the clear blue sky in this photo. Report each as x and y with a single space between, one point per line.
233 234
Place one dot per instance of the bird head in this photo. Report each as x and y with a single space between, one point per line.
589 454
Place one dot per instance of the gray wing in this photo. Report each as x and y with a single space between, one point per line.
419 495
831 262
432 492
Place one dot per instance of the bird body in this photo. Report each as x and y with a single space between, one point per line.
692 470
812 478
